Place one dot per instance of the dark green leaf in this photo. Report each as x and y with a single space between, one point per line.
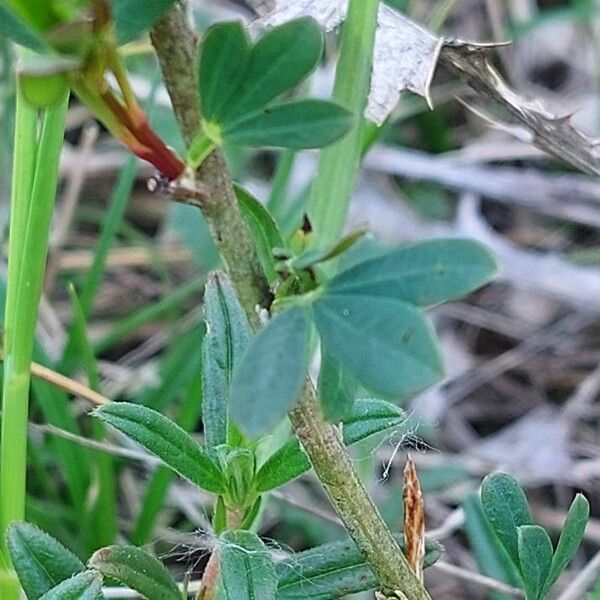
285 464
246 568
290 461
223 63
14 28
264 231
506 509
387 345
131 19
297 125
39 560
371 416
424 274
337 388
137 570
331 571
166 440
535 556
228 335
492 559
569 540
267 381
279 61
83 586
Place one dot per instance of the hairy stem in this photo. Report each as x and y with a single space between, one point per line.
176 48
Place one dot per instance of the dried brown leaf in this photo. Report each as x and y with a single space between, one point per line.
414 519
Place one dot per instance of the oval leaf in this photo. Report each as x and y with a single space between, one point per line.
386 344
246 568
83 586
224 56
228 335
535 556
506 509
137 570
131 19
491 557
296 125
337 388
278 62
569 540
424 274
332 571
39 560
268 380
165 439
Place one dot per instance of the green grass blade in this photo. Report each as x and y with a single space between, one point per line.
104 513
338 164
33 200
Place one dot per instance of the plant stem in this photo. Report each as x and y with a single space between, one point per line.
339 163
35 173
176 48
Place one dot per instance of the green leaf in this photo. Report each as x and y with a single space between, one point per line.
371 416
492 559
290 461
228 335
165 439
287 463
332 571
278 62
39 560
297 125
535 556
337 388
83 586
15 29
267 381
137 570
131 19
264 231
569 540
424 274
386 344
246 568
506 509
224 57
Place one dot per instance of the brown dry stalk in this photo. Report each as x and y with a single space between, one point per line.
555 135
414 519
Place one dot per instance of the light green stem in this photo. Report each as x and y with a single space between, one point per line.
339 163
35 174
